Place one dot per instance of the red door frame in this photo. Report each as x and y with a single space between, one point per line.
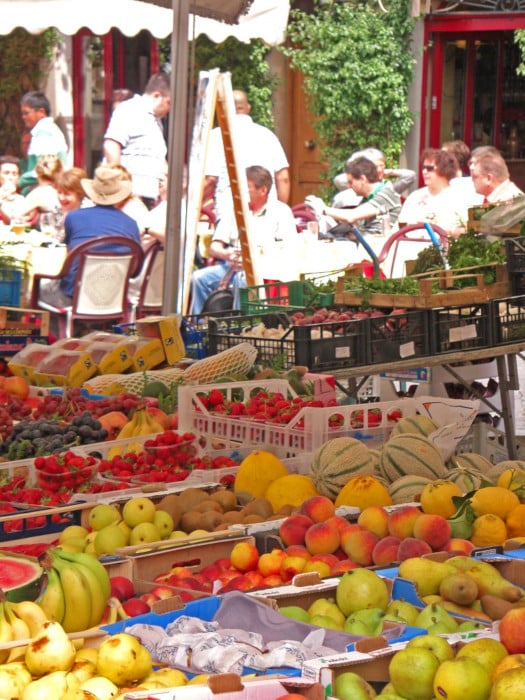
432 79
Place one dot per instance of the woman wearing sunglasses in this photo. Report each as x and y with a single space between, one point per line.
437 202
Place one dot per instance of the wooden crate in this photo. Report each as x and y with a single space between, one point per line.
18 321
474 224
478 292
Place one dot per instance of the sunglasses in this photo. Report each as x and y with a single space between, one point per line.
429 168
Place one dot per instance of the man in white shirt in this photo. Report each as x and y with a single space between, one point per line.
135 137
257 145
273 238
491 177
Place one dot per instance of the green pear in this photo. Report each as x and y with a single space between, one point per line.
294 612
489 581
425 573
50 650
372 617
350 686
404 610
108 540
470 626
103 515
325 621
361 588
324 606
459 588
123 659
435 614
356 627
439 646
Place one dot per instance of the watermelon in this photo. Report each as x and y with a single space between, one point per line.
407 488
20 577
336 462
421 424
410 453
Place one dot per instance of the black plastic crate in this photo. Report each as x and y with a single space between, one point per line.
515 253
319 346
194 333
508 317
465 327
398 335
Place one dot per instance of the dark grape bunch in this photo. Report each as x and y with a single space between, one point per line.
46 436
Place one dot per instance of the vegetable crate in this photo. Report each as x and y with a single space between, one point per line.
398 336
10 286
515 253
508 317
319 346
464 327
311 426
294 295
194 331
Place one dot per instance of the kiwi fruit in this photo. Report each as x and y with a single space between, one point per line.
190 521
227 499
233 517
171 505
252 518
259 506
210 520
206 505
190 497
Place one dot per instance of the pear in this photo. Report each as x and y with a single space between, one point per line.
170 677
372 617
53 685
324 606
350 686
83 669
489 580
123 659
434 614
425 573
14 677
294 612
50 650
459 588
404 610
102 688
356 627
325 621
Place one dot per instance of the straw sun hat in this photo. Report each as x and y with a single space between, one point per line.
107 187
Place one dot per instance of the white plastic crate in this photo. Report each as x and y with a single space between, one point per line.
313 426
489 442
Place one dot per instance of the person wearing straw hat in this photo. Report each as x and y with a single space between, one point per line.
108 192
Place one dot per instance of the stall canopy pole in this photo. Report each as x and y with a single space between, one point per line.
175 227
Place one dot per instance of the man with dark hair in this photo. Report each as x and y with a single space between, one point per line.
273 236
380 204
135 137
10 200
47 138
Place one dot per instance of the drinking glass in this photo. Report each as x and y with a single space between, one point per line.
18 225
47 223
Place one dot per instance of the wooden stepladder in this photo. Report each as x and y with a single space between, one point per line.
215 96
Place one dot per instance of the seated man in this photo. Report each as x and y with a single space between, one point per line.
380 204
10 199
108 192
272 229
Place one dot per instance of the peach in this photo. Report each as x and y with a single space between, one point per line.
321 567
17 386
433 529
412 547
459 546
374 519
255 579
322 538
150 598
347 532
342 566
297 550
385 551
359 547
270 562
401 521
227 576
180 571
329 559
292 566
211 572
273 580
244 556
162 592
292 530
239 583
318 508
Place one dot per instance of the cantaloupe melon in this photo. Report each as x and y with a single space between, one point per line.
421 424
257 471
410 453
470 460
407 488
467 478
496 470
336 462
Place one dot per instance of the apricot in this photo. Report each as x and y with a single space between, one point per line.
401 521
433 529
293 529
359 547
322 538
318 508
374 519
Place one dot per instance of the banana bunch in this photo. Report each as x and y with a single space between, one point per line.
77 590
140 425
19 621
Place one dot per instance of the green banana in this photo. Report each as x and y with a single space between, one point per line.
52 598
77 596
91 562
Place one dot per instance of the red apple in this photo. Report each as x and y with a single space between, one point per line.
511 628
149 598
122 588
136 606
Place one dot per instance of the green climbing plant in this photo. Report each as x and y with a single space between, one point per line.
357 70
24 59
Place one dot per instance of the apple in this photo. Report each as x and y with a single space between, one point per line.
412 671
136 606
103 515
511 631
121 587
149 598
144 532
139 510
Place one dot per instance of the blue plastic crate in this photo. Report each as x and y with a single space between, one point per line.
10 287
35 523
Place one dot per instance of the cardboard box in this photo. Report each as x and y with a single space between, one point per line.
65 368
167 330
145 353
109 357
